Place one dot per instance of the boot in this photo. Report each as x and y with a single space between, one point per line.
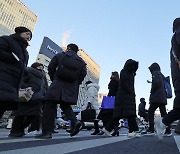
96 127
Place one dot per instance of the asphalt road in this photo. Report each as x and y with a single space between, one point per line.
84 143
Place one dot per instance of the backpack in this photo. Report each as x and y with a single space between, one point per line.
167 86
69 68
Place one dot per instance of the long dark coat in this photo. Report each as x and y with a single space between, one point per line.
113 87
175 71
37 80
125 105
60 89
158 94
11 70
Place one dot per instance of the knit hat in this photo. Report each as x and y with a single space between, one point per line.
21 29
176 24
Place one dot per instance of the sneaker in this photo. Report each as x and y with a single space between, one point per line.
149 132
76 129
160 128
133 135
106 132
101 133
168 134
44 136
34 132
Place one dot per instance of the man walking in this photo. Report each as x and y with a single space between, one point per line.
174 114
67 71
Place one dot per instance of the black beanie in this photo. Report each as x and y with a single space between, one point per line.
176 24
21 29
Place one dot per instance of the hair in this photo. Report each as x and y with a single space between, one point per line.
73 47
115 75
142 99
36 64
88 82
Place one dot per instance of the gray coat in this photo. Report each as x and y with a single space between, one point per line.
60 89
11 70
158 94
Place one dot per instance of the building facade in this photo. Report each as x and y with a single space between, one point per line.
49 49
14 13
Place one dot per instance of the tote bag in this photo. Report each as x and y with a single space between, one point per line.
89 114
108 102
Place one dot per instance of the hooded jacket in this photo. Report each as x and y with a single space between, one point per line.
157 94
125 105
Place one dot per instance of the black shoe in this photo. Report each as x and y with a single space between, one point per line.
44 136
100 133
115 133
95 132
68 130
20 134
54 132
76 129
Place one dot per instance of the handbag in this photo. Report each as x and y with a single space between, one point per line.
108 102
25 94
89 114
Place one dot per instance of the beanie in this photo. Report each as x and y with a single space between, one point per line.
21 29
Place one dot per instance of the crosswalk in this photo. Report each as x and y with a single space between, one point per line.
82 143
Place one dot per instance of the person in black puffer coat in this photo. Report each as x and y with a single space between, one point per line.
142 112
13 60
107 114
125 106
31 110
157 96
174 114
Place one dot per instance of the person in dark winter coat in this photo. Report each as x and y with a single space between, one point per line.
13 60
63 90
157 96
174 114
125 106
106 115
29 111
142 112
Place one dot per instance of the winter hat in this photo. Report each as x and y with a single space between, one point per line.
21 29
176 24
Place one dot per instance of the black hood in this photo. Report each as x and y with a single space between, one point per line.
154 67
142 100
176 24
131 66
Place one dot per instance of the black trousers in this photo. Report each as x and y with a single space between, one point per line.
172 116
50 112
151 111
131 123
21 122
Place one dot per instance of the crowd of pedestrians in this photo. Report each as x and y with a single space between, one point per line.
67 71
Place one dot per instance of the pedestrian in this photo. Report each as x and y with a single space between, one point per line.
157 98
142 112
67 71
31 110
125 105
13 60
174 114
92 98
106 115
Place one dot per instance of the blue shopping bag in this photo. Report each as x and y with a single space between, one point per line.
108 102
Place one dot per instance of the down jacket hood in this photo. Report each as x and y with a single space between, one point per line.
154 67
131 66
93 85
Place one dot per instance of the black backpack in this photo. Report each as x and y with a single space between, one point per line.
69 68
